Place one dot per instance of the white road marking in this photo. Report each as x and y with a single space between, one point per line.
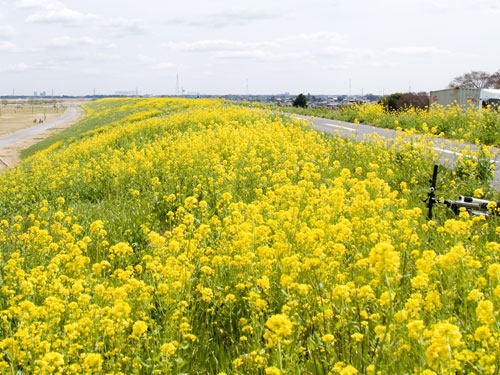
340 127
493 161
447 151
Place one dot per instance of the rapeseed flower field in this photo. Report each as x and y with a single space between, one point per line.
196 236
465 123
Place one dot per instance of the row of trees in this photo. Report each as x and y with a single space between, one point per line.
477 80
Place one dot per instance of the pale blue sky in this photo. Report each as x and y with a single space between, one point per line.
296 46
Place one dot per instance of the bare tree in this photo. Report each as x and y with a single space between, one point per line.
494 81
474 79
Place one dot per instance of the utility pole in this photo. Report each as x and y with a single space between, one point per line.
177 85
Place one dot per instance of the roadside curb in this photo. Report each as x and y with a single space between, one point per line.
4 163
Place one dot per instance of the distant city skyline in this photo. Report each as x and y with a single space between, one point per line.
222 47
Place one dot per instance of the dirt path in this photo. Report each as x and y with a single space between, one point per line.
9 154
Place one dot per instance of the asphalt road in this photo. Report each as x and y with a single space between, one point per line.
7 140
448 150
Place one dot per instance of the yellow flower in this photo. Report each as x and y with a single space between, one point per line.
121 249
272 371
280 325
140 327
169 349
484 311
328 338
349 370
482 333
357 336
92 363
478 193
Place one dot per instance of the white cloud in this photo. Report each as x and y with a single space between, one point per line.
123 25
322 37
489 5
64 16
390 57
51 11
145 59
294 47
6 46
217 45
45 4
14 68
68 42
164 66
55 12
263 55
270 46
6 31
459 6
226 18
337 66
413 51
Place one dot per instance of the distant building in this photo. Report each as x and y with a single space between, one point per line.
125 93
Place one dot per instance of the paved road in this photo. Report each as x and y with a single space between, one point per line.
7 140
447 149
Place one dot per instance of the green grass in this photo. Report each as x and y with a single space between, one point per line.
77 131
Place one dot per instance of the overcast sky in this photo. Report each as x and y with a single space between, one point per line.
217 46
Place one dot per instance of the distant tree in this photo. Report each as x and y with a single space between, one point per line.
372 97
494 81
397 101
390 102
5 102
300 101
414 100
473 80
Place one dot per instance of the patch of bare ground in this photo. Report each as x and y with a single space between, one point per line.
9 155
